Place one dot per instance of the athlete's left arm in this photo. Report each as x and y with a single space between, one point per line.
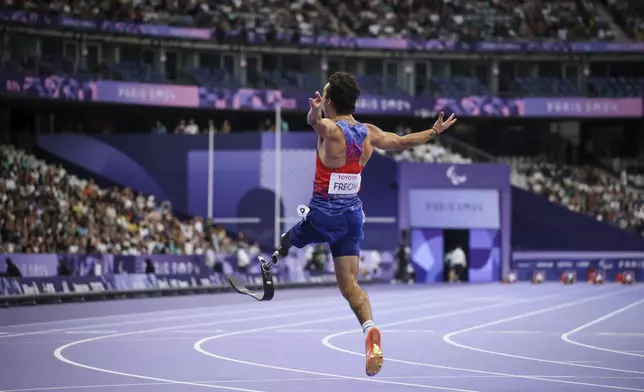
389 141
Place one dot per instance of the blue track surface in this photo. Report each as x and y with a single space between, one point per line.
488 338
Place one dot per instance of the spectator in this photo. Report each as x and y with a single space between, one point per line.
226 127
63 267
211 126
181 127
159 128
12 270
149 267
191 128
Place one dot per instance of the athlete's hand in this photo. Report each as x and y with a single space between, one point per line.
440 126
316 103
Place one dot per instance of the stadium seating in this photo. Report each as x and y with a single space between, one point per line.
43 209
581 189
630 16
543 87
470 20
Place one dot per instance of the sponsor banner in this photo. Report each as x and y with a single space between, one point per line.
53 87
139 282
454 209
147 94
291 269
553 268
43 20
46 265
163 264
583 107
56 285
67 88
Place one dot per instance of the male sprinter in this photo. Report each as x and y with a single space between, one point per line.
335 214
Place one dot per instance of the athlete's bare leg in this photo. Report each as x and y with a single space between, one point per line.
346 274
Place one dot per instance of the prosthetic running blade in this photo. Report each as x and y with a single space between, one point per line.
267 283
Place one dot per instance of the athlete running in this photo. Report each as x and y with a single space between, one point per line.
335 214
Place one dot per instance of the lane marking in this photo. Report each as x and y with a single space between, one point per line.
240 309
566 336
58 353
326 342
198 345
517 332
300 379
310 301
448 338
88 332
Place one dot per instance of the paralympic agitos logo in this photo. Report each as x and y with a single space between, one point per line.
455 178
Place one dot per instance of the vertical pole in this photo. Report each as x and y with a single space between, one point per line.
278 172
211 172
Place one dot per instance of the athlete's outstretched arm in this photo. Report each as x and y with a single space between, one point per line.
389 141
324 127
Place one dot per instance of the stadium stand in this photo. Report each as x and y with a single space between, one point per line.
473 20
469 21
630 15
582 189
44 209
299 16
629 170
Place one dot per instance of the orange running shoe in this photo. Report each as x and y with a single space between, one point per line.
374 352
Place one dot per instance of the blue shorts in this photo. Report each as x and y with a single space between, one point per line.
342 232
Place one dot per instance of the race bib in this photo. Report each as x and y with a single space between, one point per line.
344 184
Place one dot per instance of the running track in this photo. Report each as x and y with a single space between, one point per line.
487 338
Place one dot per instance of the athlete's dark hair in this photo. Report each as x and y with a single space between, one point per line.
343 91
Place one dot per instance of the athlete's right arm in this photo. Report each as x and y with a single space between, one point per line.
324 127
389 141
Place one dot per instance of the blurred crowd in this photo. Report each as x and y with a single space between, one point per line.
585 189
416 19
473 20
43 209
191 127
630 171
428 153
291 16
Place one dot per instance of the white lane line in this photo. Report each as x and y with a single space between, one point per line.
58 353
313 331
89 332
198 345
212 308
241 309
448 338
566 336
581 361
299 379
144 320
378 295
326 342
518 332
